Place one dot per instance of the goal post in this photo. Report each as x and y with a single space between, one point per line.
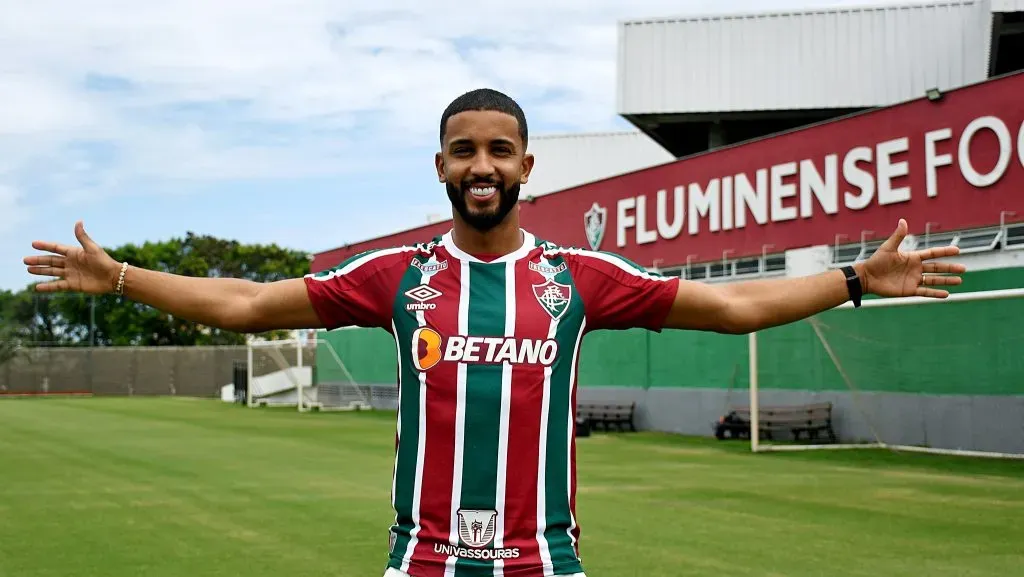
278 373
916 374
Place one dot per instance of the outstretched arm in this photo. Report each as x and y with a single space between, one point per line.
225 303
743 307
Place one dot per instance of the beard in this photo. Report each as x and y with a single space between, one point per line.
483 221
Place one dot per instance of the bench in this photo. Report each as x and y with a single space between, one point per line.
808 421
607 414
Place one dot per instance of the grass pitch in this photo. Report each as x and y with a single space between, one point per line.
187 488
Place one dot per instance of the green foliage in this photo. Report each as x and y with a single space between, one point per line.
64 318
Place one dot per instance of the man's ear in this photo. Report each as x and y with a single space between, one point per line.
526 168
439 165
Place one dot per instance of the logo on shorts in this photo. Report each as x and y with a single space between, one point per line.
421 294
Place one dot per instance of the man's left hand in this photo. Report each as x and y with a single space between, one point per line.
893 273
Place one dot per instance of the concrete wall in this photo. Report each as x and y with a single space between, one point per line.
983 423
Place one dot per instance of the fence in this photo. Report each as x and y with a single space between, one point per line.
183 371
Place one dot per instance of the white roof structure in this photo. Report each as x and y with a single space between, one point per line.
567 160
842 58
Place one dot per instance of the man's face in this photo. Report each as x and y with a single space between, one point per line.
483 164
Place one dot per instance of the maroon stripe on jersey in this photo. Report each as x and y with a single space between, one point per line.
439 450
524 433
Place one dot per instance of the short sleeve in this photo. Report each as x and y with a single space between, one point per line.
358 292
619 294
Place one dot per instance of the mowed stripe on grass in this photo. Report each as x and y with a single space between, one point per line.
155 487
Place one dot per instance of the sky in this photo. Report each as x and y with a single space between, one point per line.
306 123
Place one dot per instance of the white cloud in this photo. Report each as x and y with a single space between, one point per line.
97 94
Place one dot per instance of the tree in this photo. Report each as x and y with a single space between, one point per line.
68 317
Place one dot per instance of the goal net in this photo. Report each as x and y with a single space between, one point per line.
911 374
279 373
307 374
336 389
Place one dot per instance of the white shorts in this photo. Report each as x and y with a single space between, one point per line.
391 572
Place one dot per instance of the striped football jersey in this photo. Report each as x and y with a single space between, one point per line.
484 479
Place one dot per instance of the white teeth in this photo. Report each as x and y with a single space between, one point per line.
475 191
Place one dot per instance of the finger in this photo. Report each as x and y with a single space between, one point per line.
53 247
893 242
82 237
943 267
942 280
931 293
53 286
938 252
46 260
46 271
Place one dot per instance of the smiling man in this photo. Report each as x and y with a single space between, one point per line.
488 321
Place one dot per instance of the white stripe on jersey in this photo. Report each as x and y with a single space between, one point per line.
363 260
615 261
460 422
542 520
506 408
421 447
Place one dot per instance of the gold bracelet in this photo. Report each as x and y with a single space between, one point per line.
120 279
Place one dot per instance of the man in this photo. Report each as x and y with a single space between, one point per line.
488 321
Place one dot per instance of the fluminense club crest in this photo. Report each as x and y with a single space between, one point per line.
477 527
553 297
594 221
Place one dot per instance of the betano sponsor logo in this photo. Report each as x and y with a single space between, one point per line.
429 349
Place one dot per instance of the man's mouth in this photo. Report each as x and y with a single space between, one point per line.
483 192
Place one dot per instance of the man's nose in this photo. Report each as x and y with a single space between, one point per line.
482 166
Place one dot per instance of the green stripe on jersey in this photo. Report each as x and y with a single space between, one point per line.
483 399
556 477
409 409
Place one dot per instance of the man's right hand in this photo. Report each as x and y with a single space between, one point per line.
86 269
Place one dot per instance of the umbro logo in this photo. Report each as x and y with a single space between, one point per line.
421 294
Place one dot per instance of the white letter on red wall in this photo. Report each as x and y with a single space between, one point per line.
932 160
1005 151
888 170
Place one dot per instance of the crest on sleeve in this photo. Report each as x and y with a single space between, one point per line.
594 221
553 297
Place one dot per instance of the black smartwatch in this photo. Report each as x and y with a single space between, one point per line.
853 285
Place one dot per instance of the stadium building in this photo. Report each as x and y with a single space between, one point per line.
777 144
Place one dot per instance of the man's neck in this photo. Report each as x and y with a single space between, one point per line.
501 240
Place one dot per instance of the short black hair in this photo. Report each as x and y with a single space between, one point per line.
485 99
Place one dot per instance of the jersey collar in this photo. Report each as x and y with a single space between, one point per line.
529 243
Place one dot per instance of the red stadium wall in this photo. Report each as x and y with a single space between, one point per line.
956 163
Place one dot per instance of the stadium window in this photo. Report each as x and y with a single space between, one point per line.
847 253
775 263
935 239
977 241
1015 235
696 272
719 270
869 249
748 266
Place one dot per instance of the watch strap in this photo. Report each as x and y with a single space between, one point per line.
853 285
